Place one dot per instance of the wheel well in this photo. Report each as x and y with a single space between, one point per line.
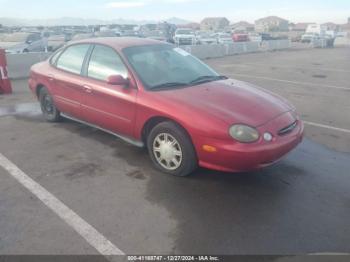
38 88
148 126
152 122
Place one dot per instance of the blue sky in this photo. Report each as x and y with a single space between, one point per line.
294 10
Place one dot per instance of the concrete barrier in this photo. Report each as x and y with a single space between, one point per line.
342 42
206 51
19 64
273 45
252 47
319 43
220 50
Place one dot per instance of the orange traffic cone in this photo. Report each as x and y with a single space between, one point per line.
5 84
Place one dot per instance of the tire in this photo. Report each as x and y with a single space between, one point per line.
169 140
50 112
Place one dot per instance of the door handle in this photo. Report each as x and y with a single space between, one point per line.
87 89
51 77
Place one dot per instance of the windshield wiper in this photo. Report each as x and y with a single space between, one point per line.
169 85
204 79
199 80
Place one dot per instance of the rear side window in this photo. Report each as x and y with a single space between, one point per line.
105 62
72 58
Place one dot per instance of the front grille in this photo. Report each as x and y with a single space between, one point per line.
288 129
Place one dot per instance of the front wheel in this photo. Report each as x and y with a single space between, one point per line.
48 107
171 149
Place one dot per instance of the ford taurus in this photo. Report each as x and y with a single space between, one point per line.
158 96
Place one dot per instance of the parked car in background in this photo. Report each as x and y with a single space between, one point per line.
159 31
130 33
266 37
156 95
341 34
309 37
224 38
296 38
82 36
156 35
16 43
55 42
205 38
185 36
316 29
117 33
240 37
106 33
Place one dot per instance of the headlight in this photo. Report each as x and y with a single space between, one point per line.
244 134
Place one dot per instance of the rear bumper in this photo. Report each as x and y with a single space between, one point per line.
239 157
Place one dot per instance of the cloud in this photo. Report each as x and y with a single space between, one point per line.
125 4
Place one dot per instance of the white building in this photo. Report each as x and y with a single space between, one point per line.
271 24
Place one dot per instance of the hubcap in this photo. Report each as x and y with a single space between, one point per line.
47 105
167 151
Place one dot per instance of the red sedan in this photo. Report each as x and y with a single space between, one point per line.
156 95
240 37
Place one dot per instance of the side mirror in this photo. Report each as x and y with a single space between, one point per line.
29 42
117 80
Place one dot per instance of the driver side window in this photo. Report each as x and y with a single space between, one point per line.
105 62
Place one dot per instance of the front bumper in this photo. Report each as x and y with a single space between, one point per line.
239 157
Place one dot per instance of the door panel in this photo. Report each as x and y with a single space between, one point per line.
68 92
68 83
111 107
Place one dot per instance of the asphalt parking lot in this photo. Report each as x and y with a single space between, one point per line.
300 205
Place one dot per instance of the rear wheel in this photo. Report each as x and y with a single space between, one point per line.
171 149
50 112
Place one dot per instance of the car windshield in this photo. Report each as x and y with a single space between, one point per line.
167 66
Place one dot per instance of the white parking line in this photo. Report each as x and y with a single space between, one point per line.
293 82
328 127
89 233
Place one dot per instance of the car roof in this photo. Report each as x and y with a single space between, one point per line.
119 43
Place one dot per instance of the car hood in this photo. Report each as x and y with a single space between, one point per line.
230 100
